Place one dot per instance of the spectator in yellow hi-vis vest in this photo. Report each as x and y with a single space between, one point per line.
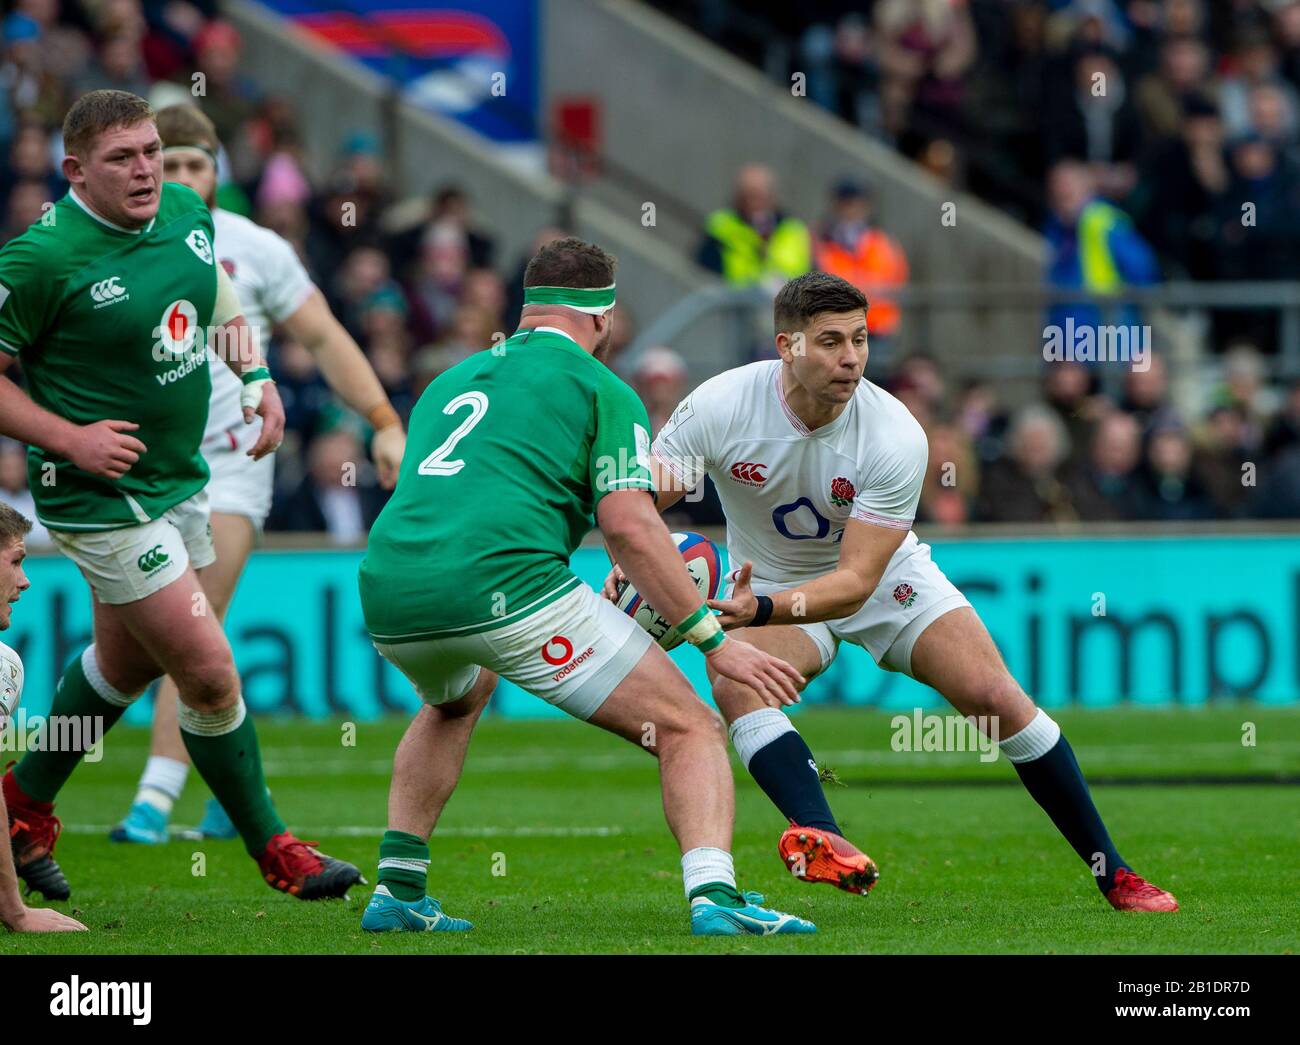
753 241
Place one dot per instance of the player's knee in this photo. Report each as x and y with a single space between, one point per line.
209 681
691 720
995 696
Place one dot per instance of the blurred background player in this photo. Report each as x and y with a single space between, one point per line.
274 289
527 446
15 915
130 509
826 524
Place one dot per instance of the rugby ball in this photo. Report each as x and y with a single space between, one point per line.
704 565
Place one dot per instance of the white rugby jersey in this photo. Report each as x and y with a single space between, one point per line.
272 284
11 682
787 492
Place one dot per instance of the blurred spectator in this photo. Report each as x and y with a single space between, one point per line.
952 479
1180 194
1093 246
336 496
926 48
1068 391
1162 97
119 64
981 419
850 246
229 97
1227 467
1254 62
754 241
660 379
1025 486
1105 486
1170 487
450 208
1146 396
1099 125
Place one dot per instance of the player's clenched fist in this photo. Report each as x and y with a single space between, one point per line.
770 677
386 448
271 410
106 449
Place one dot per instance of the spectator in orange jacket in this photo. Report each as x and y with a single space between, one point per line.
849 245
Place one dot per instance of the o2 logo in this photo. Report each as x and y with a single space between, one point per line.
781 519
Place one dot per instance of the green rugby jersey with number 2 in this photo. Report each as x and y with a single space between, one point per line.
507 456
104 322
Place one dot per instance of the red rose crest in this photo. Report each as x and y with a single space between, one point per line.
904 595
842 492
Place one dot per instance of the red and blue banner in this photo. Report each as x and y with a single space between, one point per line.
475 61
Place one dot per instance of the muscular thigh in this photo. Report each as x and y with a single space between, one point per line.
654 698
171 628
957 656
792 644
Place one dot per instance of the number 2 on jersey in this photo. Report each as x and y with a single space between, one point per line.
436 463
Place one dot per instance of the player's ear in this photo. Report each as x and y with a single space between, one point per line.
71 169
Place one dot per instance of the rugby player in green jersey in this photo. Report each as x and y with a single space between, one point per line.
108 301
519 450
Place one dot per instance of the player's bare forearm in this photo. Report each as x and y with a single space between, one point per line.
829 597
342 363
11 901
23 420
639 541
233 343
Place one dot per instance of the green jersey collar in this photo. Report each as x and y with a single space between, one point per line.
104 221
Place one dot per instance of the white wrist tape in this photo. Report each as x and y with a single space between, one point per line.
250 396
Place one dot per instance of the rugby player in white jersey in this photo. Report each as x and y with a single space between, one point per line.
274 288
819 472
15 915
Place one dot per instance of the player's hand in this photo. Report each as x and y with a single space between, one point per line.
775 681
738 610
43 920
105 449
612 582
386 448
271 411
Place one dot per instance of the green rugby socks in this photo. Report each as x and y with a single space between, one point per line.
223 747
85 707
404 865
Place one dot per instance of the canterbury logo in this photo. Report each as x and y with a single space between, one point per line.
749 472
152 559
107 290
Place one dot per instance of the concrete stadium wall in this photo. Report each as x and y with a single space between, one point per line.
684 115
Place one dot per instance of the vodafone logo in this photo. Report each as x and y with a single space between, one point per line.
178 327
748 472
564 646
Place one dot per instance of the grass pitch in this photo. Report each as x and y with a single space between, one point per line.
555 842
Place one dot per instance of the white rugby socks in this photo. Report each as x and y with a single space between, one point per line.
162 782
704 865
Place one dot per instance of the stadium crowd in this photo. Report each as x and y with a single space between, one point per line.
421 284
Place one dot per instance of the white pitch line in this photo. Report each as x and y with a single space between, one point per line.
358 831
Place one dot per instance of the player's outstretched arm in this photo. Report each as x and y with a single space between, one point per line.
641 542
347 371
15 915
864 554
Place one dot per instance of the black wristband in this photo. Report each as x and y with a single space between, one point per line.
764 612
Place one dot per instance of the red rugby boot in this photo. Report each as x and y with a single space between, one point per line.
823 856
1132 892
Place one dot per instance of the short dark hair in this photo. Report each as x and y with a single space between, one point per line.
98 111
810 295
14 526
186 124
570 262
